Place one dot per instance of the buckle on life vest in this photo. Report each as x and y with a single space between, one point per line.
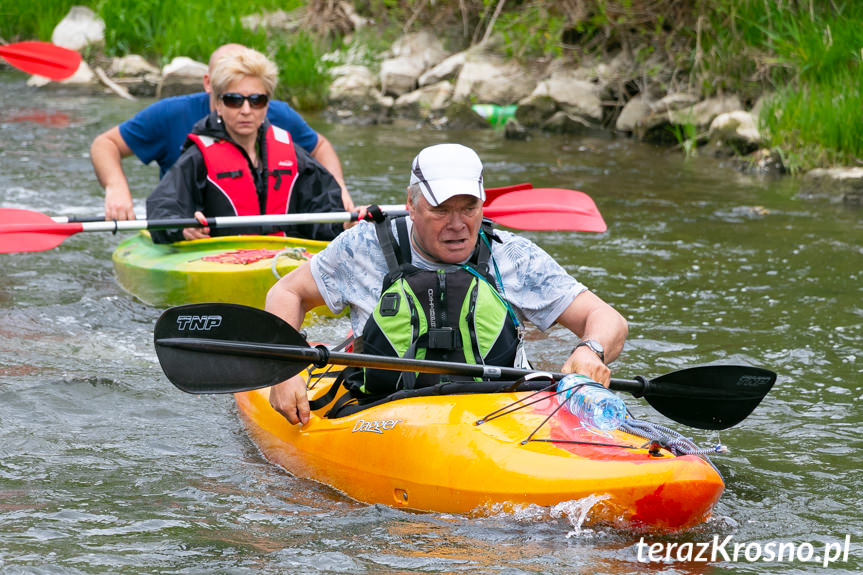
233 174
278 175
389 304
441 338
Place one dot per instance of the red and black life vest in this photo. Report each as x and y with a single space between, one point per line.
229 174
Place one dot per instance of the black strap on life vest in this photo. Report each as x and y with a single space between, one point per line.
399 264
278 173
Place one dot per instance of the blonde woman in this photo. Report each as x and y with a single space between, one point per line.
235 163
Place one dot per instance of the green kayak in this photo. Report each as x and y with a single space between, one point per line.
231 269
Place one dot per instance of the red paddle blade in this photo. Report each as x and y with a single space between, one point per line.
492 193
546 209
42 59
28 231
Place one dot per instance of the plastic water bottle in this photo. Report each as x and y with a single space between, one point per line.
496 115
595 405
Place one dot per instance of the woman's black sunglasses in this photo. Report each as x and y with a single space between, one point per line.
235 100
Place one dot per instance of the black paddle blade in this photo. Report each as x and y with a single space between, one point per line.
709 396
186 339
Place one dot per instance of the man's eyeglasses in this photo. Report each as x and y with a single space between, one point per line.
235 100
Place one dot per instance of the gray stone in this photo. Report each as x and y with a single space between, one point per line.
491 79
535 110
181 76
78 29
836 185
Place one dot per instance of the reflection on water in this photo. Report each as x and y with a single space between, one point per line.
105 467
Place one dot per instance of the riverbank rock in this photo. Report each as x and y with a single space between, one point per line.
682 116
512 130
323 18
836 185
565 102
181 76
535 110
290 22
735 131
83 79
425 101
135 74
411 56
355 98
79 29
632 114
459 115
490 79
446 70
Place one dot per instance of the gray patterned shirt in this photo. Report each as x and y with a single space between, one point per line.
349 272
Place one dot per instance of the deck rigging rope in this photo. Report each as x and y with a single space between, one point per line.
658 436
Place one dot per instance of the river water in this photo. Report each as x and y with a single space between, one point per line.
106 468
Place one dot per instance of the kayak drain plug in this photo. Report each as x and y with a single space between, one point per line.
401 496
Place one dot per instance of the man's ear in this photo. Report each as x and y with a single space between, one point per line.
208 88
410 206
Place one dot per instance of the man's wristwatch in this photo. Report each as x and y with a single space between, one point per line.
594 345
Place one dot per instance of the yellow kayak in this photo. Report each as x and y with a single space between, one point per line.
460 454
232 269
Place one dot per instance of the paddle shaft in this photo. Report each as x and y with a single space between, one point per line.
227 348
92 225
490 193
526 209
217 222
321 356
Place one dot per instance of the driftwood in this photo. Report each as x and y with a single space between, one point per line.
113 86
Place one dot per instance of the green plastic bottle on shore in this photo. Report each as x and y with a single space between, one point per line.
496 115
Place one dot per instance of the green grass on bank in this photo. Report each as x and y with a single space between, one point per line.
32 19
805 55
164 29
160 30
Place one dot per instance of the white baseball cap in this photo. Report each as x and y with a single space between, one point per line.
447 170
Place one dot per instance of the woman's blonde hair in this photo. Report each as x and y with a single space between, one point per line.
241 63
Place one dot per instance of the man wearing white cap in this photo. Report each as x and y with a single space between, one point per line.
439 261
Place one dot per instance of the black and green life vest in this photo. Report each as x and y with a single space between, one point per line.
434 314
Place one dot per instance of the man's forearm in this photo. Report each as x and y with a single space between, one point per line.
107 162
106 154
326 156
294 295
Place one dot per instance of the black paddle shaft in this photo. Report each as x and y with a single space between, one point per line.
227 348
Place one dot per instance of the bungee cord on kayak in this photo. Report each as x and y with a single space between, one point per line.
658 436
295 253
